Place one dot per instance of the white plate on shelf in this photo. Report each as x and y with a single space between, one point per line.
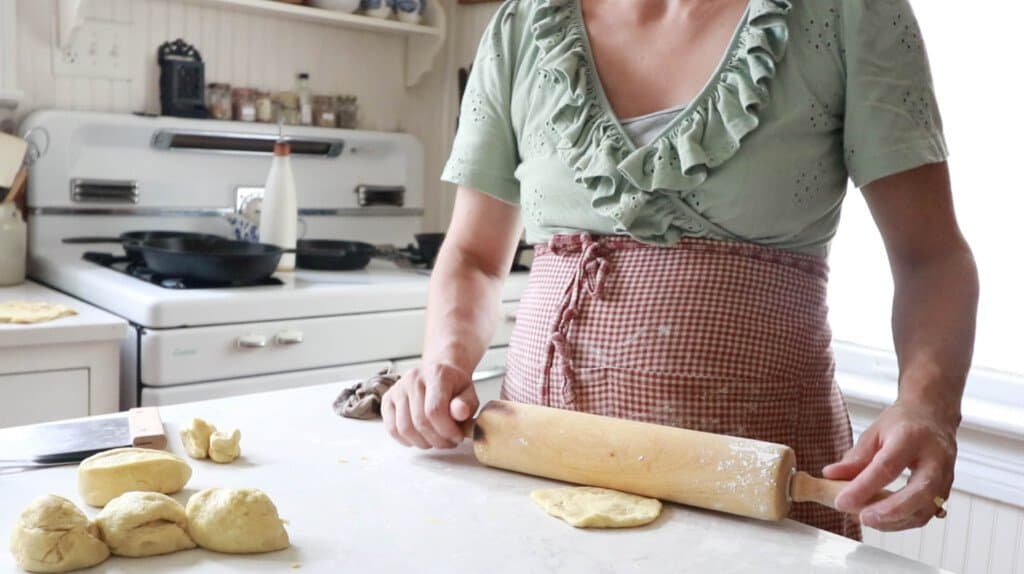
347 6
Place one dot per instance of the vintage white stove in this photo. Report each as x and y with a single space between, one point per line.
102 174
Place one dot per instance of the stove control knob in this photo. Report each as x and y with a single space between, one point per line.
251 342
289 337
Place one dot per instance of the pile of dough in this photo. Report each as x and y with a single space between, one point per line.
196 438
105 476
590 507
202 439
54 535
224 447
235 521
33 311
144 524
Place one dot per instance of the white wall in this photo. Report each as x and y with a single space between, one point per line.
243 50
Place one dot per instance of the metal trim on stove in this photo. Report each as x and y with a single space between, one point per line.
376 211
104 191
244 143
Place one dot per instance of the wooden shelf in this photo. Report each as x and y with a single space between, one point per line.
422 41
326 17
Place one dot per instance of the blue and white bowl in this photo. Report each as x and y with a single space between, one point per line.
410 11
376 8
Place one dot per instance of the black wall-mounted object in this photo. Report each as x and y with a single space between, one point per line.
182 80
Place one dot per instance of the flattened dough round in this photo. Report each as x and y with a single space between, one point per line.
235 521
104 476
591 507
25 312
144 524
54 535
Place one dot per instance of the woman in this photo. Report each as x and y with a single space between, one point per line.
683 202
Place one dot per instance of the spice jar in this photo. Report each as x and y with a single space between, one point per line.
218 101
243 101
286 108
264 107
323 111
346 109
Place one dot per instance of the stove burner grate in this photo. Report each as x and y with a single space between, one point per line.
139 270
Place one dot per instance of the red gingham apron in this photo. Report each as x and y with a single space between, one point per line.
723 337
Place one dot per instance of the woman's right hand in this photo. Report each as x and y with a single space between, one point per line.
424 408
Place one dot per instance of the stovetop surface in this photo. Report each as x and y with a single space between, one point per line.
382 286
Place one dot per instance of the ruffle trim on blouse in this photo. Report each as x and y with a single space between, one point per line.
643 189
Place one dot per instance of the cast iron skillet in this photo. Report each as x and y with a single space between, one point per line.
212 259
333 255
130 239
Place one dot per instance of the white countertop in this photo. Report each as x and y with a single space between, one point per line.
90 324
356 501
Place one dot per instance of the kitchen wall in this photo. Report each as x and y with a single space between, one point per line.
244 50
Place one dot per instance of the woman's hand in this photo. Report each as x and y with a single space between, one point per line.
424 408
912 436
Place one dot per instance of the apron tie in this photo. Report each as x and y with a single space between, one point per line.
587 281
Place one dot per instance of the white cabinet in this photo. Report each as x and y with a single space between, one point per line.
58 369
45 396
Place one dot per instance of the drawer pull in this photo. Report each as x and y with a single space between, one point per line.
289 338
252 342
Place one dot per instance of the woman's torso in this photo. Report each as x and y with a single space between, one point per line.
759 155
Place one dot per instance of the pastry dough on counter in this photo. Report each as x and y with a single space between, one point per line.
105 476
140 524
25 312
591 507
54 535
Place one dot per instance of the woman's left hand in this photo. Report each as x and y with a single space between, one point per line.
904 436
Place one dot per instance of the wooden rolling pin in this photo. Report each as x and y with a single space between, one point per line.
735 475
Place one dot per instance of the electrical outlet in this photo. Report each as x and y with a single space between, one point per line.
98 49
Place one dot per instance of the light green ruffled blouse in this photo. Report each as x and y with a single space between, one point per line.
810 92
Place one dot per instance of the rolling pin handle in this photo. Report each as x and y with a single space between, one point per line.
806 488
467 427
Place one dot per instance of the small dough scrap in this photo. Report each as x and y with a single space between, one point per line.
144 524
591 507
235 521
196 438
25 312
54 535
224 447
104 476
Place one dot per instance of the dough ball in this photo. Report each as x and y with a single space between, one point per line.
224 447
109 474
196 438
235 520
54 535
590 507
144 524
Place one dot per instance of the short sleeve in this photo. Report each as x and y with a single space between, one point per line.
485 154
892 121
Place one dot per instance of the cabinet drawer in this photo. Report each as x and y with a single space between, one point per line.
200 354
45 396
161 396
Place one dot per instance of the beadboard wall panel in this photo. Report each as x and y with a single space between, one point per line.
469 23
979 536
244 50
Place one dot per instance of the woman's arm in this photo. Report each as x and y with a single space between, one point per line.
464 305
934 309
